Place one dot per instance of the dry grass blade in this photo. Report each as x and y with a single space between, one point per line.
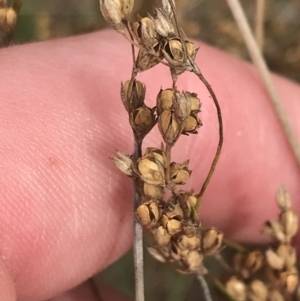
262 68
259 22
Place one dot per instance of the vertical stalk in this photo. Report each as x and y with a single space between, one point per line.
259 22
138 255
265 75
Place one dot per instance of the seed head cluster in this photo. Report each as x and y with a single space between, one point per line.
269 275
178 236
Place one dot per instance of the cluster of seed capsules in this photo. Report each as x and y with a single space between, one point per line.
178 236
269 275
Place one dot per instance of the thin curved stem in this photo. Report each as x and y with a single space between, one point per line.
205 288
221 138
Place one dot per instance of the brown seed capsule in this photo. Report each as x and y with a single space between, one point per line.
182 106
161 236
164 100
288 254
143 117
179 172
174 53
169 127
253 262
145 33
193 260
289 280
236 289
195 102
257 291
133 95
192 124
151 170
275 230
211 241
123 162
191 49
172 225
148 213
163 24
274 260
289 222
283 199
114 11
152 191
148 59
188 243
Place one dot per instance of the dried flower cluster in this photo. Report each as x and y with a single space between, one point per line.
177 233
8 20
269 275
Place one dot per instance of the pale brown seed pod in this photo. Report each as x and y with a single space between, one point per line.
8 19
191 49
289 280
179 172
211 241
172 225
274 260
193 261
161 236
174 53
274 229
164 100
283 199
289 222
142 119
113 12
148 59
151 170
288 254
169 127
133 95
237 289
182 106
163 25
123 162
192 124
144 32
194 101
188 243
247 264
257 291
152 191
148 213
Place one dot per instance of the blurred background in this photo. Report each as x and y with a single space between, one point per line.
208 20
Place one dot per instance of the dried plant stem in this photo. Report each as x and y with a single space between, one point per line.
261 65
259 22
205 288
220 143
138 255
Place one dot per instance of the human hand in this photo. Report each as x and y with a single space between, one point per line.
66 211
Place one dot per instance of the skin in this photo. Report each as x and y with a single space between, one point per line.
66 211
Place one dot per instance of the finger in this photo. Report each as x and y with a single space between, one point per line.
67 212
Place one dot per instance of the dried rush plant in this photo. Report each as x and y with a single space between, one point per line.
178 236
